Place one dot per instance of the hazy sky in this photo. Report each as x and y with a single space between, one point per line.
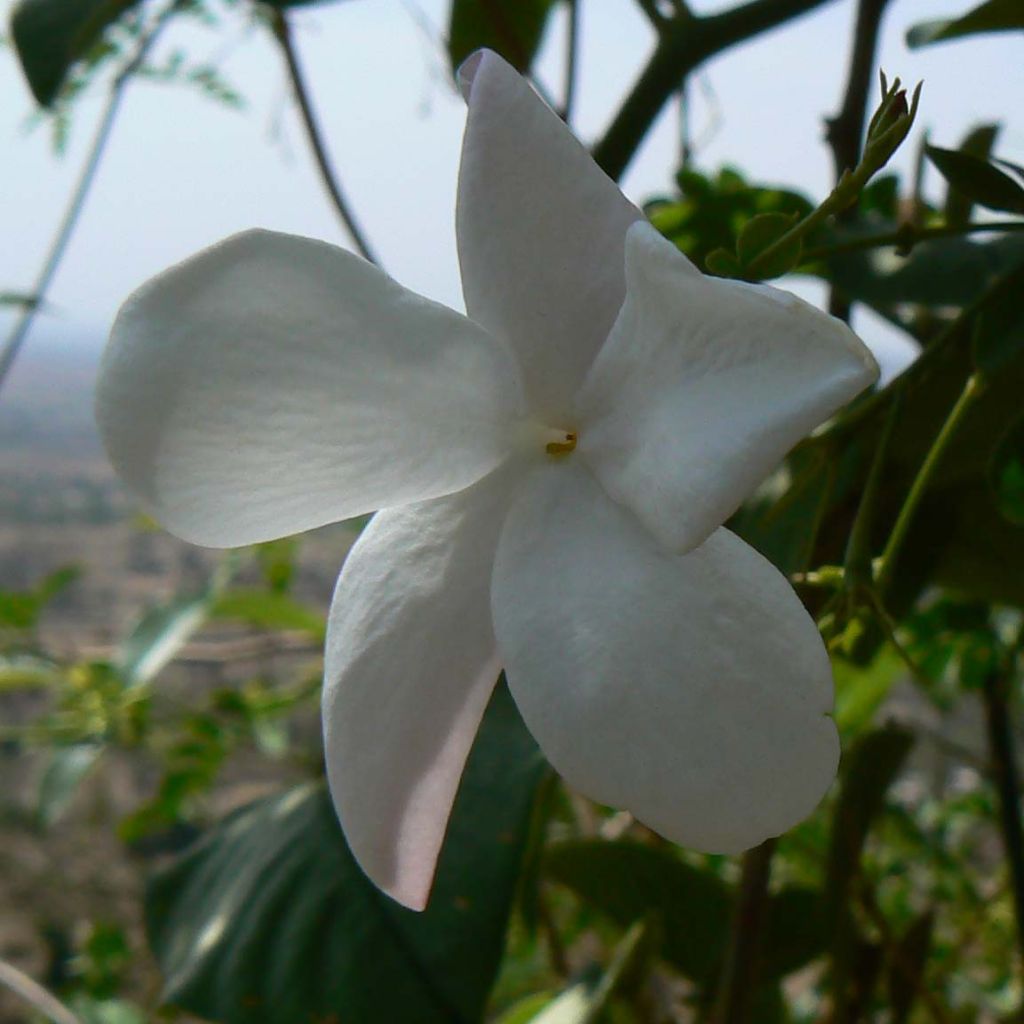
182 172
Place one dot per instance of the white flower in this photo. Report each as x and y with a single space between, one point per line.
554 471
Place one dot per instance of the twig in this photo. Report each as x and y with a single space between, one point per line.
86 178
845 131
283 34
739 976
685 43
35 995
907 236
972 389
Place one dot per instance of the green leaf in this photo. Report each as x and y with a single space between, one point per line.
50 35
758 235
270 610
939 273
993 16
723 263
164 629
268 919
628 881
861 691
998 342
794 932
978 179
1006 475
20 609
513 28
64 773
978 142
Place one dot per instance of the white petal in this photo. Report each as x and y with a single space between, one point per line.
272 384
703 386
692 690
410 665
541 230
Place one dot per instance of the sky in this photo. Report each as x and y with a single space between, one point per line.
182 172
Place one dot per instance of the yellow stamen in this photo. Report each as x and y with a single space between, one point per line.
561 447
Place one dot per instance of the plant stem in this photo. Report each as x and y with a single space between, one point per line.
846 129
572 46
686 42
87 176
995 693
971 390
283 34
908 236
739 975
31 992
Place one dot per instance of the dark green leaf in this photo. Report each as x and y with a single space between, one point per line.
513 28
759 234
978 142
993 16
1006 475
50 35
978 179
628 881
939 273
66 769
268 918
723 263
998 342
794 932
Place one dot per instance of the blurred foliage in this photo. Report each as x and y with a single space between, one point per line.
901 523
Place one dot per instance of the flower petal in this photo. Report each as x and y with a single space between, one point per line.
702 388
272 384
540 232
410 665
691 689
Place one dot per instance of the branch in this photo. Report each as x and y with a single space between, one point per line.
739 977
906 236
86 178
845 131
283 34
686 43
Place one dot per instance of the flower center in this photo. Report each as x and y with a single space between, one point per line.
561 448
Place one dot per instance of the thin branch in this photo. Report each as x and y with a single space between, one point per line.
283 34
86 178
572 46
907 236
845 131
739 976
685 44
972 389
32 993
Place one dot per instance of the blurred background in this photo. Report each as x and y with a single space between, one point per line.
208 142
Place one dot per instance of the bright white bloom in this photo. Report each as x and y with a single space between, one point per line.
554 471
